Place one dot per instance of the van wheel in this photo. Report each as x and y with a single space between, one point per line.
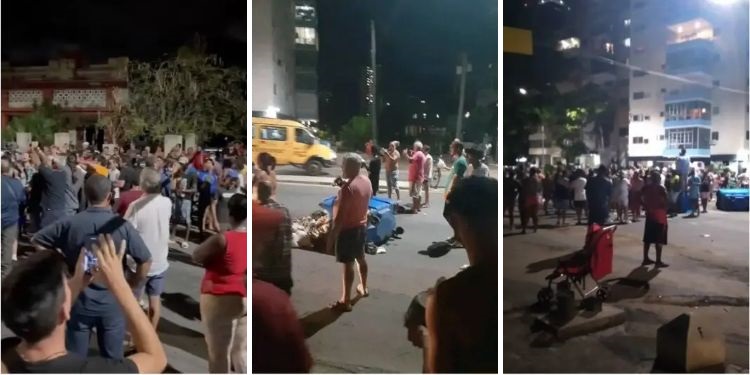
314 167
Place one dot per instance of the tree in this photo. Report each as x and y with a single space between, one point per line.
190 93
43 122
356 132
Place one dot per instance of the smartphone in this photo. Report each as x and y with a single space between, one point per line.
90 261
34 144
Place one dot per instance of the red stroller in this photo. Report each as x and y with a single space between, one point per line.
595 259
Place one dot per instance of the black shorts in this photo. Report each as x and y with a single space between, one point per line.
654 232
350 245
579 204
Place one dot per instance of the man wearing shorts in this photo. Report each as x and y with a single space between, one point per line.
391 169
655 232
347 234
416 175
150 215
457 173
427 175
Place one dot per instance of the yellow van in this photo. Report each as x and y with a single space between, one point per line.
291 143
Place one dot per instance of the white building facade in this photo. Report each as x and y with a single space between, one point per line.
274 57
689 80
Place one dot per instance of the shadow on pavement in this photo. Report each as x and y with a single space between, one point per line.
179 256
634 285
182 338
315 321
182 304
179 337
547 264
512 234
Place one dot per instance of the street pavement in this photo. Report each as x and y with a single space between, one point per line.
289 171
372 337
708 274
180 328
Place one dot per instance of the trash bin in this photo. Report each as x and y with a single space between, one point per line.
733 199
382 208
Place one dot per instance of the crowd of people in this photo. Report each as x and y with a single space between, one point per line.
469 210
614 195
100 226
424 171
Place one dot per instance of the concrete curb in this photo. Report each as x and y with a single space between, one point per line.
584 323
328 181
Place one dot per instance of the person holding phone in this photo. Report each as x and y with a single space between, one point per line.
45 279
97 307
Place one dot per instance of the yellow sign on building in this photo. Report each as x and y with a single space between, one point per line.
517 41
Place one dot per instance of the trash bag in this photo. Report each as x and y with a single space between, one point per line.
438 249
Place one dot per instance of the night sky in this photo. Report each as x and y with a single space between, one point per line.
36 31
418 46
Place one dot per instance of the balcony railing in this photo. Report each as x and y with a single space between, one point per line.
706 45
669 123
688 93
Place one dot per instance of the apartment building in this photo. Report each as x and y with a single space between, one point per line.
689 80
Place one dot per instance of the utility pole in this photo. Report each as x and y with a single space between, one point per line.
373 87
544 149
462 70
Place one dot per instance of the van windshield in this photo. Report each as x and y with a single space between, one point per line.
304 136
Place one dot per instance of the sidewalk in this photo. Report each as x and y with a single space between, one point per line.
707 275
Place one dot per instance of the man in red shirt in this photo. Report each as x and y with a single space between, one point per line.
128 197
348 229
655 202
416 175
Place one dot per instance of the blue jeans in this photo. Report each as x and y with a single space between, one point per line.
110 334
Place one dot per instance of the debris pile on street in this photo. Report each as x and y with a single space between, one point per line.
310 232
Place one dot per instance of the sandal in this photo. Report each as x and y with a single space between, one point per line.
362 292
341 307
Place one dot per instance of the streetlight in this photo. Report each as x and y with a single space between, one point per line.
387 104
271 111
467 115
423 101
437 115
522 91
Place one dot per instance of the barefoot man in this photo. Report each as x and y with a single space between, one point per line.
347 234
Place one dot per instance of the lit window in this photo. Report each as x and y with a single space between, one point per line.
626 42
609 47
306 35
569 43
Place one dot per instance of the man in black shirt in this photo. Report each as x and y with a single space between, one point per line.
38 295
374 169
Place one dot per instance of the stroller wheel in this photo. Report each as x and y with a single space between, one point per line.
545 295
602 294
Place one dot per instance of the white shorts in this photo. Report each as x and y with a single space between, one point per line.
415 189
